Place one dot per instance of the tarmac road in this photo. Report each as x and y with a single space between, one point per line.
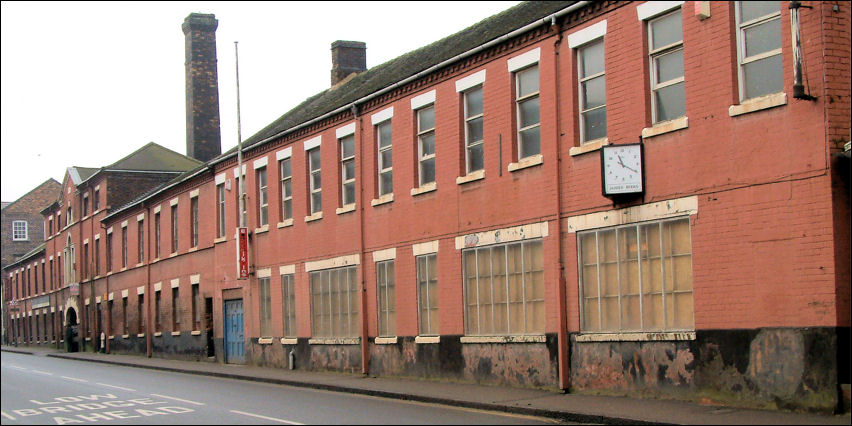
42 390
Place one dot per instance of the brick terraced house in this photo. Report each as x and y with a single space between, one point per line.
641 198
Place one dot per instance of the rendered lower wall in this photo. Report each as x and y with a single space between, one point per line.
787 368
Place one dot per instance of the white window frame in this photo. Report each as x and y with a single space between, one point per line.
312 171
17 230
264 286
468 144
386 306
262 196
742 60
384 168
653 55
220 210
288 305
521 99
421 157
286 194
582 79
344 161
423 298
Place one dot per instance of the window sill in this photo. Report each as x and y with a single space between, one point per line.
173 255
665 127
588 146
335 341
220 240
139 264
313 217
122 269
195 333
346 209
636 337
470 177
158 334
264 341
503 339
112 337
757 104
140 335
125 336
289 341
262 229
386 340
387 198
427 339
192 249
286 223
429 187
176 333
533 160
88 339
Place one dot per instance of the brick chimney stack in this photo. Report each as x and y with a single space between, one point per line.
347 57
203 137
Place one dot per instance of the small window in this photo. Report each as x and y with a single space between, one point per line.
220 210
286 189
288 296
96 200
265 307
262 198
156 235
665 39
140 314
175 309
193 222
126 317
158 320
527 105
347 170
426 144
196 311
85 205
19 230
315 178
387 298
473 130
174 229
759 48
385 157
427 294
124 247
592 91
140 231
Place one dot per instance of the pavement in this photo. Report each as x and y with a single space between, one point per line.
545 403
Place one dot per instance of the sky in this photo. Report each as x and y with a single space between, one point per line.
87 83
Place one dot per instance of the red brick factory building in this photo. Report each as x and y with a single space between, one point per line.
639 198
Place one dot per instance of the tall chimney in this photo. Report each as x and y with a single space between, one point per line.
347 57
203 137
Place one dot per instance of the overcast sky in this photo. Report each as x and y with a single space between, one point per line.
85 84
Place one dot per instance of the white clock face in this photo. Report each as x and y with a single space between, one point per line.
622 169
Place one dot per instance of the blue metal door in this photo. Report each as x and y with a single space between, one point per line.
235 345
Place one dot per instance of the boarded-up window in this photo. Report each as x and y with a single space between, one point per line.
637 277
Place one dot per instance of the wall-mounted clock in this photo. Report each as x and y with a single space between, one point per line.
622 169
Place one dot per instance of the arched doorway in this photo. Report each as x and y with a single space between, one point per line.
71 339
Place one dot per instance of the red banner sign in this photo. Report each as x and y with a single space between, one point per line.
242 254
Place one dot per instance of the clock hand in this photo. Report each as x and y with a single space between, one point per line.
625 166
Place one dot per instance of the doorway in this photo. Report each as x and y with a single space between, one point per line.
235 345
71 343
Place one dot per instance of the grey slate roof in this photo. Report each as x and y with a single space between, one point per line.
409 64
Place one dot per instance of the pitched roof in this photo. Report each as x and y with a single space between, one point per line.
57 188
154 157
409 64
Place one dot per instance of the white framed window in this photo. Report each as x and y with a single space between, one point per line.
474 140
759 48
387 298
665 49
591 86
140 240
288 297
286 189
19 230
427 294
315 178
527 106
636 277
220 210
265 308
85 204
347 170
384 138
156 236
174 229
262 198
96 200
175 309
426 144
504 289
124 247
334 303
193 222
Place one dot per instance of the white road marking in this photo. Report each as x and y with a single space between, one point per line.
75 379
18 368
6 415
42 372
177 399
117 387
267 418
